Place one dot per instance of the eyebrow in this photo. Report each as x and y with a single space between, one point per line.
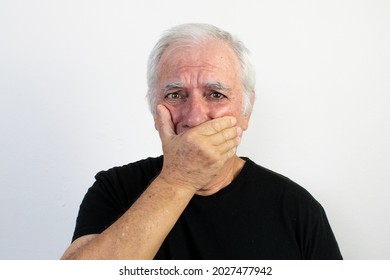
216 86
209 85
171 86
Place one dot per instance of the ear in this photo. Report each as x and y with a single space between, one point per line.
247 116
245 121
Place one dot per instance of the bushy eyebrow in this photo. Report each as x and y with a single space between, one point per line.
216 86
209 85
171 86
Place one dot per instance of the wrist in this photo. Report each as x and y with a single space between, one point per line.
176 184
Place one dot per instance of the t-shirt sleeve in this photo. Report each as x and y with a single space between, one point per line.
100 208
310 224
112 194
322 244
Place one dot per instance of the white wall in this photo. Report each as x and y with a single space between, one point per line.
72 86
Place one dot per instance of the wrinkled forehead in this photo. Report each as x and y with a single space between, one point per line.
212 51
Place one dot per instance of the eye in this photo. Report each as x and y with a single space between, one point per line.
173 95
217 95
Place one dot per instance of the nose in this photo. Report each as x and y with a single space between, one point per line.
196 112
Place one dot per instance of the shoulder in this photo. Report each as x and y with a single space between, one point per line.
278 186
127 182
299 212
143 169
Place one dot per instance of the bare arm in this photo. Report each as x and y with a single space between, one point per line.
191 162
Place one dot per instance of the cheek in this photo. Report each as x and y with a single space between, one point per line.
175 114
218 112
221 111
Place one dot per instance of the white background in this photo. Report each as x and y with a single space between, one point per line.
72 87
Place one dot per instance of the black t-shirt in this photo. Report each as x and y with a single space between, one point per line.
260 215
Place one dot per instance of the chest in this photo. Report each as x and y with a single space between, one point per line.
239 228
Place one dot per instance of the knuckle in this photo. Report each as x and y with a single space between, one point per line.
225 135
190 136
216 126
229 135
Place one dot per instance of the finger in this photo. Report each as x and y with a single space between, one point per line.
229 145
225 135
216 125
163 123
231 152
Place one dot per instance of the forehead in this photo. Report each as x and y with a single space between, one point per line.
212 58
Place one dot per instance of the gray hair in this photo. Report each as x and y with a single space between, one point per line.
195 33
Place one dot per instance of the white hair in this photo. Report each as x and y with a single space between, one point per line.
197 33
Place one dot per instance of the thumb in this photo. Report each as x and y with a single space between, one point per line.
163 123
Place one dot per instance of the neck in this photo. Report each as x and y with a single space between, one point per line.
229 172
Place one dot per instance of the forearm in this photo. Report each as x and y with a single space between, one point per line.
139 233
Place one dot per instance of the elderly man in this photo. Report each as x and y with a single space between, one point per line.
200 200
